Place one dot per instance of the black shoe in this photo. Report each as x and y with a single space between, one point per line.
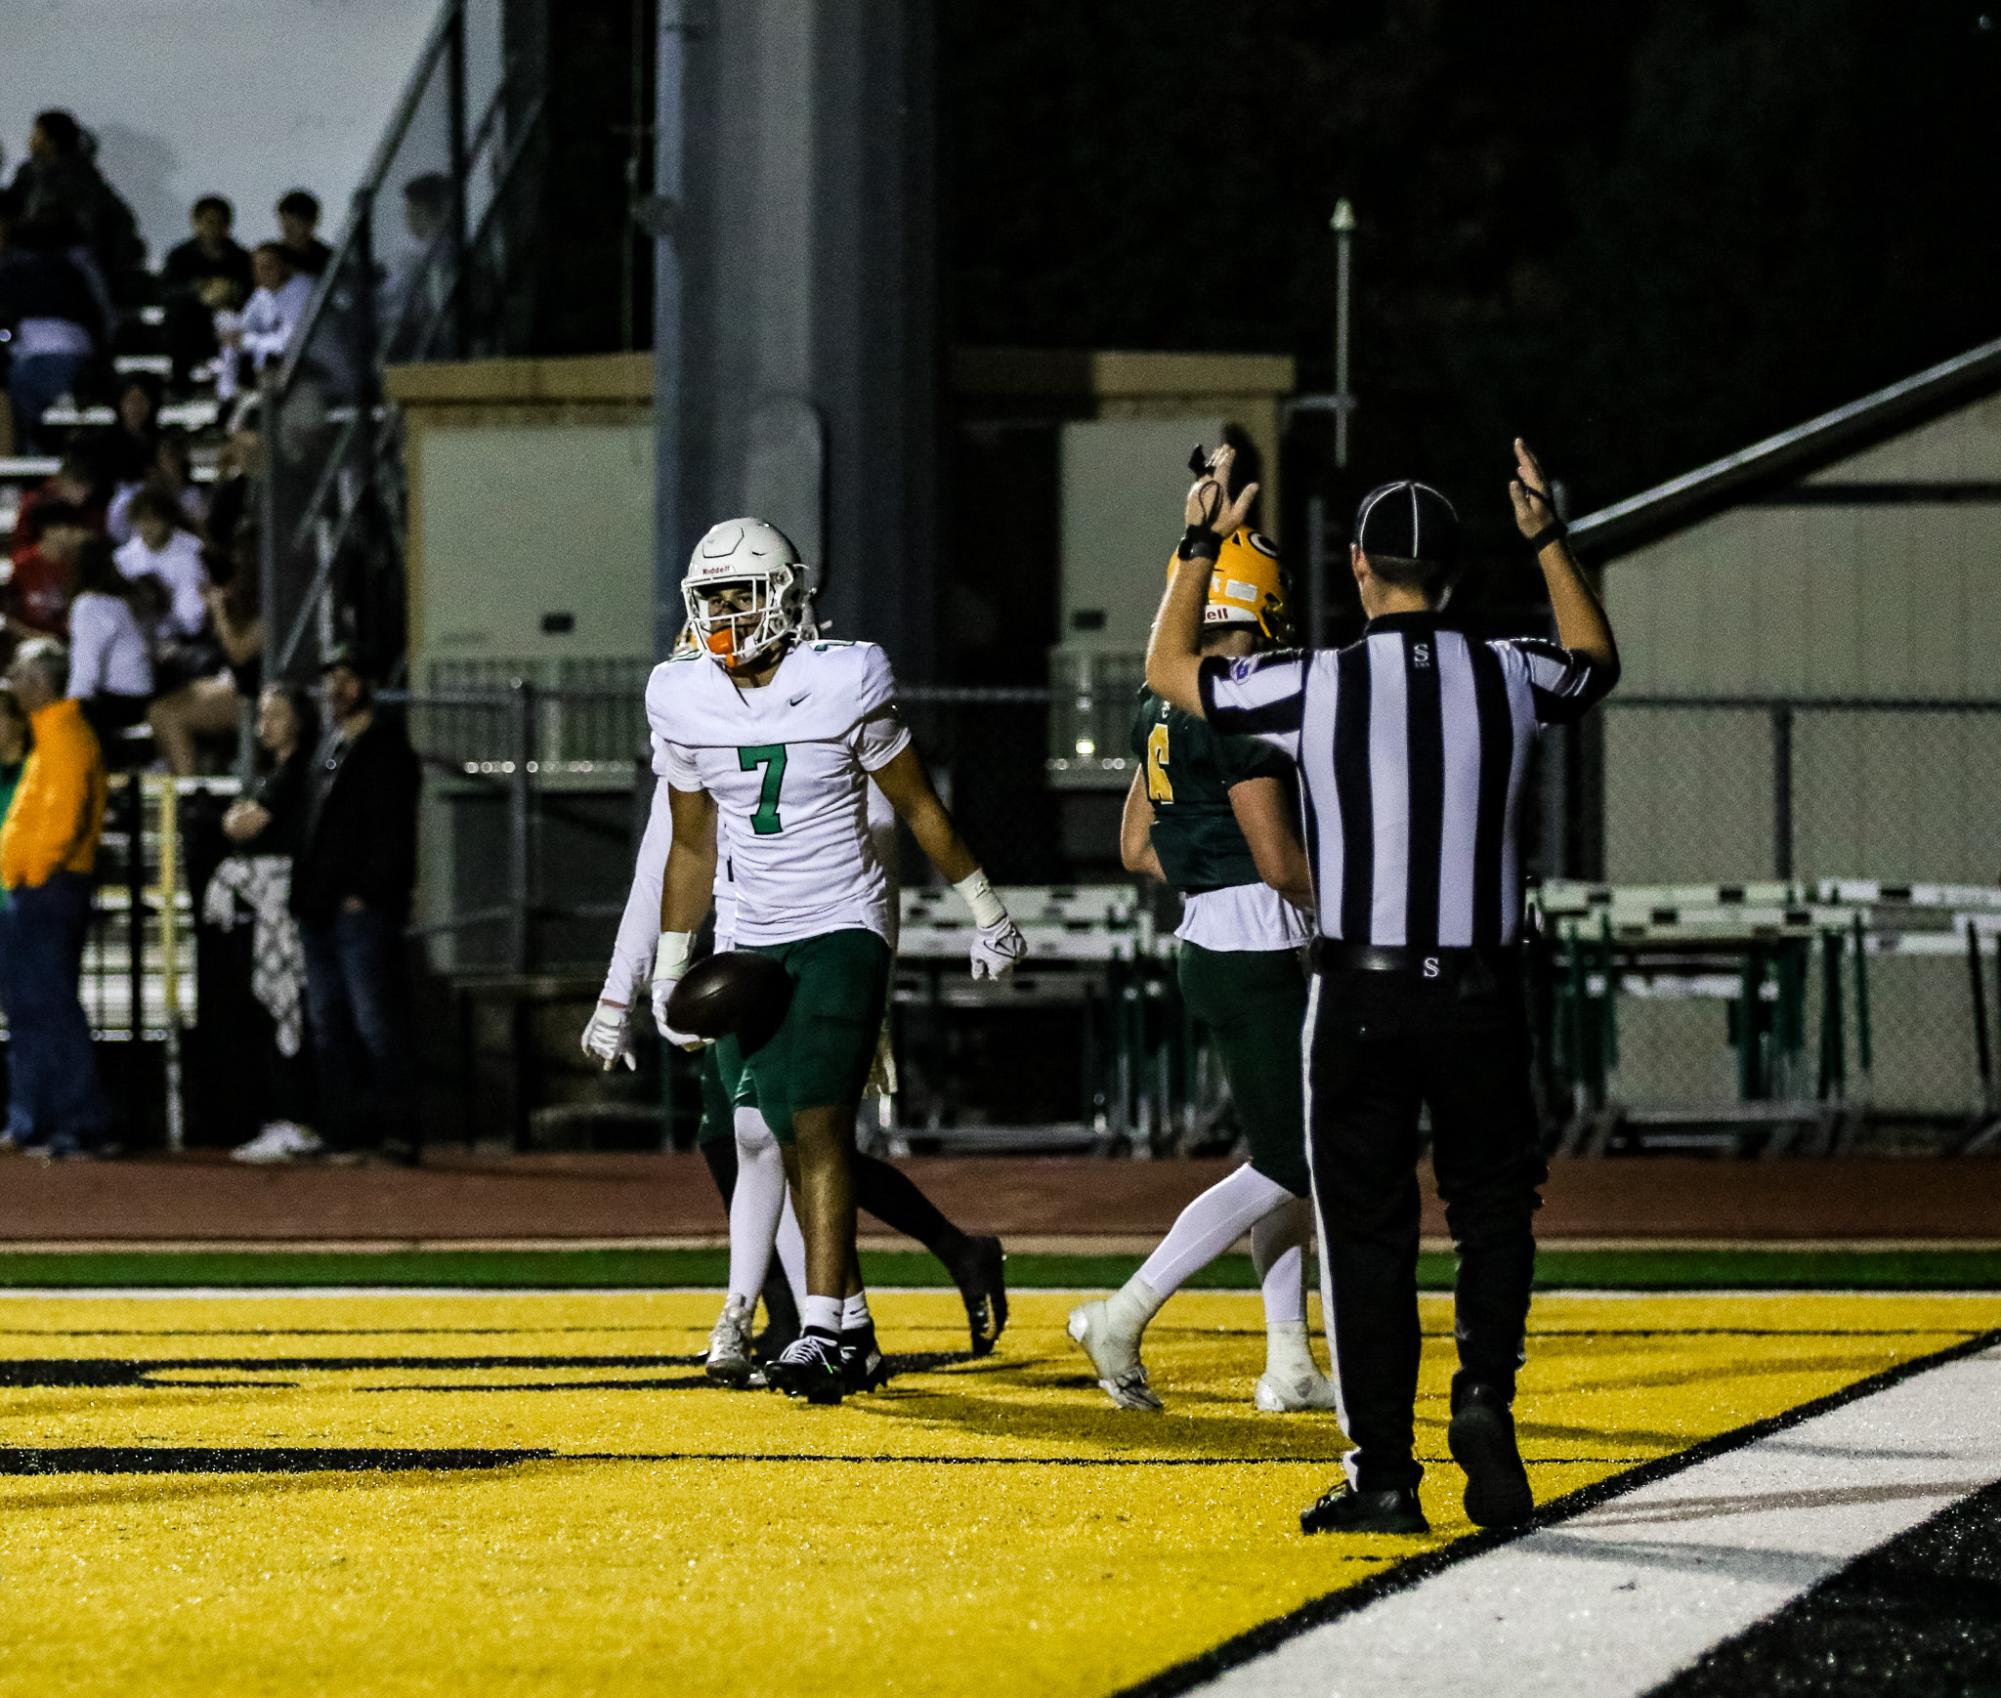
810 1368
862 1364
1342 1509
773 1342
981 1276
1481 1437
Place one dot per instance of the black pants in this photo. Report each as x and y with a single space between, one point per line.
1379 1046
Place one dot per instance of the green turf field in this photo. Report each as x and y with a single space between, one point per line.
1584 1270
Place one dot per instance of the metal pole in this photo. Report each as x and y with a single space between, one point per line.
1782 792
170 953
1983 1051
455 97
521 831
1316 571
1343 225
677 26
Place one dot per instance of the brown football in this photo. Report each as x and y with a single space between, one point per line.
733 994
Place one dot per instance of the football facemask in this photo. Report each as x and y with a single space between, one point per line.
741 629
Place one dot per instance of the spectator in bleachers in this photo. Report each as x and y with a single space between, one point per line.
129 448
207 274
110 657
171 473
298 222
264 827
54 319
413 291
351 890
212 705
268 323
163 547
233 497
13 761
48 851
59 182
43 576
13 752
76 482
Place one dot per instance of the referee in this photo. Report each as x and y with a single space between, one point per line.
1411 745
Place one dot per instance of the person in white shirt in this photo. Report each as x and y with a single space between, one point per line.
163 548
270 319
110 660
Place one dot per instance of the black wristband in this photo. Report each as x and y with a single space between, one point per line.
1555 531
1199 542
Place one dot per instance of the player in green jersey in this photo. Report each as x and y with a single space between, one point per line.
1214 817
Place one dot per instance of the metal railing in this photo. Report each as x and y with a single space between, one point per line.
421 273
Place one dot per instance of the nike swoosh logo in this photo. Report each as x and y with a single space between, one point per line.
796 700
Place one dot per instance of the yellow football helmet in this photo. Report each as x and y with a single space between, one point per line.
1248 585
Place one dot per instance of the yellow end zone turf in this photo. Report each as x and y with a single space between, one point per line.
318 1493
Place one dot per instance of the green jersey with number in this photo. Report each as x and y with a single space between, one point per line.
1188 771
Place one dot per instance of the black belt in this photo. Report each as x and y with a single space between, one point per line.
1336 955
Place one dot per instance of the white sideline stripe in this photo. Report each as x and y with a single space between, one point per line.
1613 1601
107 1293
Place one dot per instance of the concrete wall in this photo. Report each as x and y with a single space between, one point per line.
243 98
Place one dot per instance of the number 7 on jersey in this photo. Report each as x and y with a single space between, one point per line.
771 756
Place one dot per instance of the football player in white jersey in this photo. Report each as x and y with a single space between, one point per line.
744 1159
778 735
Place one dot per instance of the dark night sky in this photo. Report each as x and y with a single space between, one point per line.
1642 232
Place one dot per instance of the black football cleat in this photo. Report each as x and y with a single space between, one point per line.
862 1363
1342 1509
810 1367
1481 1437
982 1280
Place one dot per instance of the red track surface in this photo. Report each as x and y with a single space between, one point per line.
622 1196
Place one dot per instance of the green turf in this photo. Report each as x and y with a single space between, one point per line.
1643 1270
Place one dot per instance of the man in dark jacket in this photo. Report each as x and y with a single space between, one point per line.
207 274
351 889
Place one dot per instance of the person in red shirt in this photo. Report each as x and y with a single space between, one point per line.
75 483
35 599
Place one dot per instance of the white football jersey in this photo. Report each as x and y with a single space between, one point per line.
787 766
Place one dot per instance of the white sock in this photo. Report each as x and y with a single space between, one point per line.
1278 1252
1205 1229
821 1315
854 1312
756 1205
791 1249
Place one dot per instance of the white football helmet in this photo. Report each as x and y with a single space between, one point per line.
745 554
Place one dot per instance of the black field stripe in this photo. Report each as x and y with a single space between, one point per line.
1490 820
1913 1618
1351 788
1247 1647
1425 750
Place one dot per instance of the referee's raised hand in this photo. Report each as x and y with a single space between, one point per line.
1534 511
1209 505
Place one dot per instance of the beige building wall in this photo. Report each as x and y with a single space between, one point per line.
1886 600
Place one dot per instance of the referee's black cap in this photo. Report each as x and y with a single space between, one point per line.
1408 520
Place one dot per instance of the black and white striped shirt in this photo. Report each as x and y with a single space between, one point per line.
1412 746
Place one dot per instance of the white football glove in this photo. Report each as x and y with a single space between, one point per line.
606 1037
998 944
670 963
996 949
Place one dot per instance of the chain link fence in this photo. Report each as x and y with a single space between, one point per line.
1704 793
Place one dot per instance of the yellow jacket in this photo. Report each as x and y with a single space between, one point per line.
58 811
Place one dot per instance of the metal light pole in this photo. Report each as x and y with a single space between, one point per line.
1343 225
